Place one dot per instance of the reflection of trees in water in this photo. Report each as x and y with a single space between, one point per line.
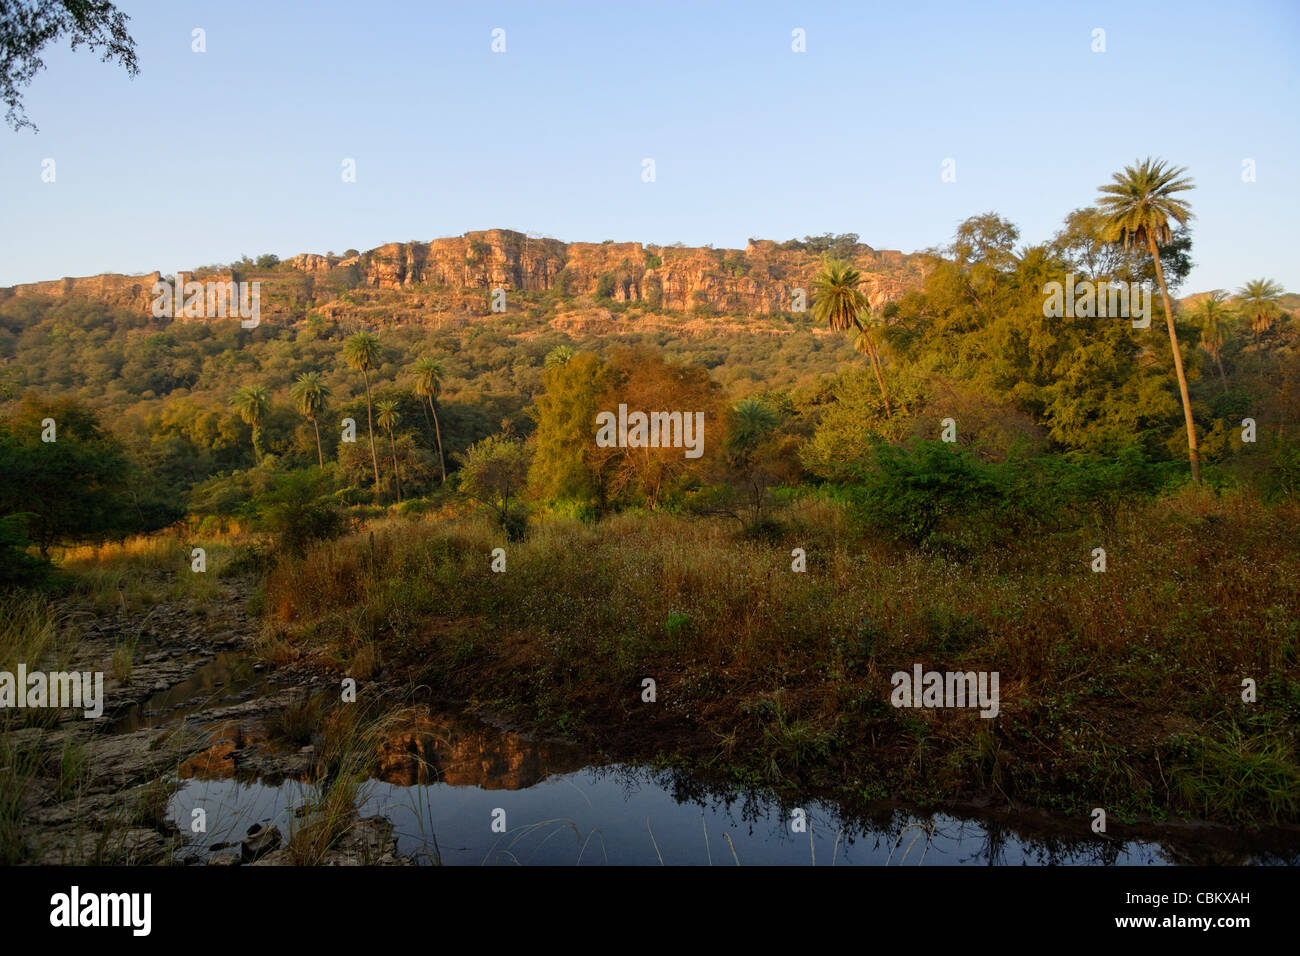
904 837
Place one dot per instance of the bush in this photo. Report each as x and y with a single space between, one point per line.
514 522
914 491
18 568
302 509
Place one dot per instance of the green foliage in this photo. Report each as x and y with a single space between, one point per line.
494 471
566 414
75 488
19 568
300 509
913 491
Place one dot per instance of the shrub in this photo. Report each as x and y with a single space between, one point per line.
916 490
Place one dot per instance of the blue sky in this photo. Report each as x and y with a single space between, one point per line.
204 157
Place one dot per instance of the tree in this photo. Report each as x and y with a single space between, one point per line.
74 488
309 393
388 417
1138 206
252 402
26 26
557 356
1259 305
494 470
1212 313
838 301
755 458
362 352
562 468
428 385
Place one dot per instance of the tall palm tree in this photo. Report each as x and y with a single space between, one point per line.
1213 313
388 418
428 385
309 393
362 352
252 402
838 301
1259 305
1138 206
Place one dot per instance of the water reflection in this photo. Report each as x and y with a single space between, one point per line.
445 781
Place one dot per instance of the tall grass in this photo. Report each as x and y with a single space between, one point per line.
1099 671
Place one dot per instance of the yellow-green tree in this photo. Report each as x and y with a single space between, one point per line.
388 419
428 386
1259 304
1138 206
251 403
362 352
839 302
309 393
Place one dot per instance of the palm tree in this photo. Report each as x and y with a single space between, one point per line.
1212 313
252 402
1138 206
362 352
309 394
428 385
388 417
559 355
1259 305
838 301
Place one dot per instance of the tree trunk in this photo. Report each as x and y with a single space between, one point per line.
1193 455
370 428
876 367
320 456
397 475
441 463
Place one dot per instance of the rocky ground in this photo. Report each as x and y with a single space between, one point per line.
194 704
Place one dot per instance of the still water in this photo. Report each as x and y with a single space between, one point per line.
447 781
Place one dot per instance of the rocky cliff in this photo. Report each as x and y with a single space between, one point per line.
761 278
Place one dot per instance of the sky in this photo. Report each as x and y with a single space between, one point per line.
204 157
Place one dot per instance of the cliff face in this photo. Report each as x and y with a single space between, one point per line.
761 278
127 292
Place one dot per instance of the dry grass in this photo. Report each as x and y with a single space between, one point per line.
1100 672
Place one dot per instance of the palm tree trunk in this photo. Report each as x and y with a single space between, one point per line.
1178 364
370 428
397 475
441 462
1222 377
427 423
320 456
876 367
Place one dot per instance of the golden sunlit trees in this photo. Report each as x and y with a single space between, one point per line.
428 385
839 302
362 352
309 393
1138 205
